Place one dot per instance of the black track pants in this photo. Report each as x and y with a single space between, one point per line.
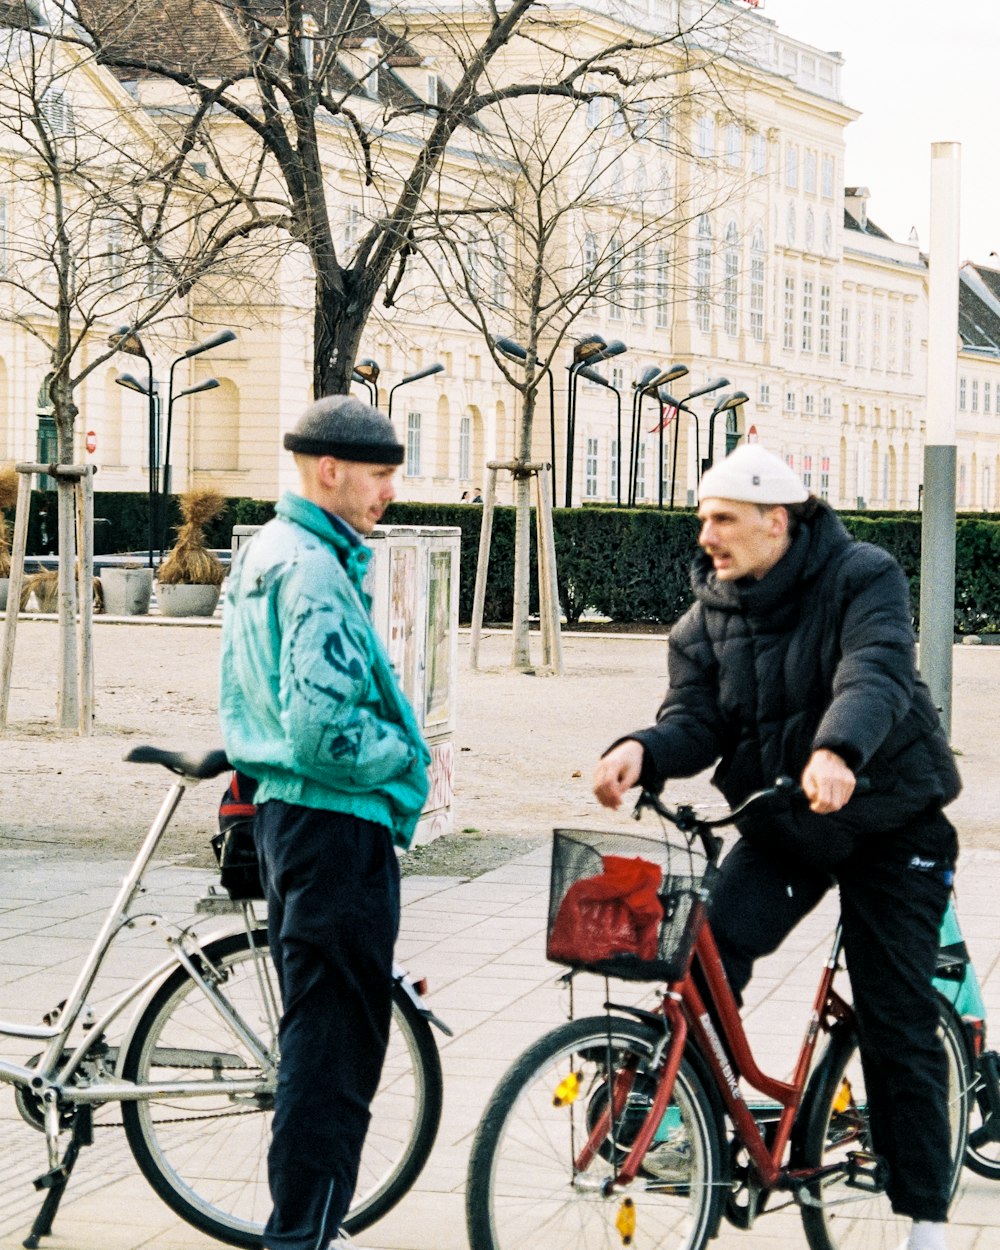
893 895
332 886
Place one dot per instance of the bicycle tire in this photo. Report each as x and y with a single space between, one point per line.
523 1189
852 1217
983 1157
206 1156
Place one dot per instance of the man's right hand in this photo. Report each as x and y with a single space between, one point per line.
617 772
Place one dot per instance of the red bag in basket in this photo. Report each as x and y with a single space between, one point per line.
615 913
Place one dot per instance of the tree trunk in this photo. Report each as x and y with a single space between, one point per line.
521 642
338 322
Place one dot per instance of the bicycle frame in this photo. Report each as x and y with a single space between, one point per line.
55 1068
687 1018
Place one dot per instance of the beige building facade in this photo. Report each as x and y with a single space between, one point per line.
772 275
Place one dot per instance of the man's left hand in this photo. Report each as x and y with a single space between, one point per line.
827 782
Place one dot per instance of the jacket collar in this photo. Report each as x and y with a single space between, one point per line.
350 550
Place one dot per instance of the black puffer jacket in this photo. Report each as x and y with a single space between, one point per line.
818 653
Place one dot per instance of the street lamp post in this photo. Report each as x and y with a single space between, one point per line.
591 375
126 340
366 372
648 383
681 406
586 351
517 353
414 377
725 403
217 340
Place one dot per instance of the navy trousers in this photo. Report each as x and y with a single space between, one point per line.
332 884
893 893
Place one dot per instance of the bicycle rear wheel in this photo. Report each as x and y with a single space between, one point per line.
850 1216
206 1155
524 1185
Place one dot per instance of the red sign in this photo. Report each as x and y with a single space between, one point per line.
91 441
752 434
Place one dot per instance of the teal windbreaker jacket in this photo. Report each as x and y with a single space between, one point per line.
309 702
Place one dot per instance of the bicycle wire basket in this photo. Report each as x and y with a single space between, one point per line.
596 926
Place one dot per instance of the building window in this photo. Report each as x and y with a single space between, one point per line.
791 166
975 395
589 256
764 393
731 292
412 444
807 472
613 467
703 274
758 154
616 278
706 135
876 340
56 111
433 92
590 470
788 326
352 228
827 408
827 176
639 284
809 405
890 352
986 397
907 344
734 145
809 173
757 261
807 315
594 112
825 297
789 401
824 477
640 471
962 385
662 291
859 355
465 449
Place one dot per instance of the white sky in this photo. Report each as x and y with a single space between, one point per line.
920 72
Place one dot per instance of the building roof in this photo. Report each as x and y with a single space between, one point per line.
869 227
979 307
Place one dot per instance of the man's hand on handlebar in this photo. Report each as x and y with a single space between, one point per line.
617 772
827 782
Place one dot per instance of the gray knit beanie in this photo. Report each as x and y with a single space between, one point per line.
342 426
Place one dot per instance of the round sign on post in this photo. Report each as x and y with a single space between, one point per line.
91 441
752 434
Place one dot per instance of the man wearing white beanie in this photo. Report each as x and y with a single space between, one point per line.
797 658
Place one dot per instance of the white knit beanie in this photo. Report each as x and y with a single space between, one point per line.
750 474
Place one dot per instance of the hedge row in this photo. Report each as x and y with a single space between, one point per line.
624 564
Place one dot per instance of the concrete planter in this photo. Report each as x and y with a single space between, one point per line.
126 591
180 600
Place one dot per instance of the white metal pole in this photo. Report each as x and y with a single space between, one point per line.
937 559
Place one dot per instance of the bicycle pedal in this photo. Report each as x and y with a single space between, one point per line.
867 1171
52 1178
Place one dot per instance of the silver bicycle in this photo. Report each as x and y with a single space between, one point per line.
190 1053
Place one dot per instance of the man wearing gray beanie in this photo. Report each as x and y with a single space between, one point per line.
797 659
312 712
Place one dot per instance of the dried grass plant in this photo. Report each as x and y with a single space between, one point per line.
8 497
189 562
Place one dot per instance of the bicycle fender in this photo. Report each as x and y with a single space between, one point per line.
408 985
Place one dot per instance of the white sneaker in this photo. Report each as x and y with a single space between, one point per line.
925 1235
342 1242
670 1160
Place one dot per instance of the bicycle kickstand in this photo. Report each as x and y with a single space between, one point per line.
56 1179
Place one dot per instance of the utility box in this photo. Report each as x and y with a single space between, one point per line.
413 581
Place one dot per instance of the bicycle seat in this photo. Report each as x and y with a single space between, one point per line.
196 767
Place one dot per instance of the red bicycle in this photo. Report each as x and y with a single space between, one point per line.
632 1128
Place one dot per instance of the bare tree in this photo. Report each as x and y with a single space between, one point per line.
105 225
566 204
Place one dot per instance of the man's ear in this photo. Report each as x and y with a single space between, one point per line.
327 471
779 521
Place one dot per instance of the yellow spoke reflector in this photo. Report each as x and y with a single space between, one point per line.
845 1096
567 1090
625 1221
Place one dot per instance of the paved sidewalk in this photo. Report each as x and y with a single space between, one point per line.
480 945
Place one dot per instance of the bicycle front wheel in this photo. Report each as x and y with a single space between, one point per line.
205 1153
854 1212
527 1185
